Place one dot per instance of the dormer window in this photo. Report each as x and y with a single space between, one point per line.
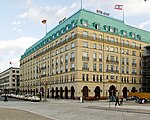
132 34
124 33
111 29
84 22
67 28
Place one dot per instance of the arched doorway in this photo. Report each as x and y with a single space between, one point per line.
85 91
133 90
34 92
56 91
66 93
72 92
52 92
61 92
125 90
112 91
48 93
42 90
97 92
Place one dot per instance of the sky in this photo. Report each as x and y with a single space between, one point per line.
21 26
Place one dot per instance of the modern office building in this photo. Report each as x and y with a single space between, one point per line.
87 54
9 80
146 70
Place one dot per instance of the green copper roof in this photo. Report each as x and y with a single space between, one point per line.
91 18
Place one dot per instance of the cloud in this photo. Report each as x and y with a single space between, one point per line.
16 29
17 22
11 50
144 24
53 13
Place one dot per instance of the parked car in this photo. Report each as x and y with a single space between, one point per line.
132 98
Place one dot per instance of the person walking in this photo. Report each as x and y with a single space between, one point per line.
117 101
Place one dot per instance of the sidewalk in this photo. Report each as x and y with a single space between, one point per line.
74 110
14 114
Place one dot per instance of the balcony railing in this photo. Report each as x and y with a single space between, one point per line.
72 69
85 58
94 59
85 68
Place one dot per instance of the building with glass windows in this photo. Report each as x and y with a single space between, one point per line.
9 80
88 55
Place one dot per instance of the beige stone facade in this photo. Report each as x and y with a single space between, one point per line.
84 62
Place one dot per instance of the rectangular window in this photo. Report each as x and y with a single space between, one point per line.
66 47
85 54
94 45
61 49
66 37
94 36
100 37
72 34
85 34
100 67
85 44
72 45
107 48
101 78
100 47
94 67
133 44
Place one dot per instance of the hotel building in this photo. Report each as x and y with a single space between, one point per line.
87 54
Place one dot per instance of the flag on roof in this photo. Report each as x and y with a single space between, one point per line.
119 7
44 21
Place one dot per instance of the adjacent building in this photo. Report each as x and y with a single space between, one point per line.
87 54
9 80
146 70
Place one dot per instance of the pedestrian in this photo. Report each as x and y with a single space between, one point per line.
117 101
121 101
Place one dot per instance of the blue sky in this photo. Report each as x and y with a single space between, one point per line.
20 24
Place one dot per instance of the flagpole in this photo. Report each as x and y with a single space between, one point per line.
123 13
46 28
81 4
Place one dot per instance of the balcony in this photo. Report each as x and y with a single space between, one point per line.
107 70
100 70
85 68
85 58
134 73
127 63
122 63
72 69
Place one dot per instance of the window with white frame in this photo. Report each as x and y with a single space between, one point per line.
133 44
85 34
94 45
66 47
56 52
85 54
84 23
100 37
61 49
72 34
72 45
94 36
107 48
100 47
85 44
